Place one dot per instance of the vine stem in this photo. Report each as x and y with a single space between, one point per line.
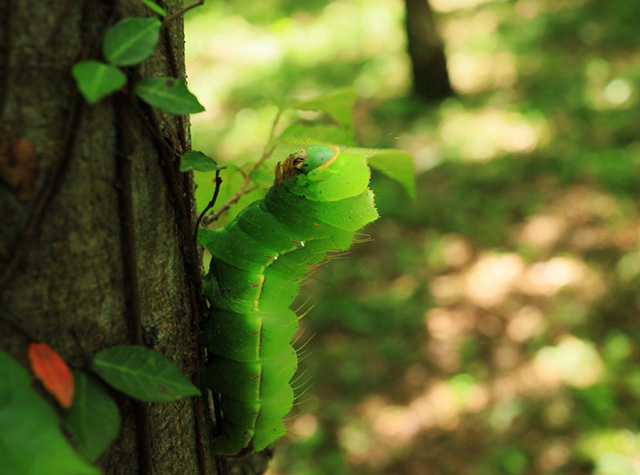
123 157
211 204
268 150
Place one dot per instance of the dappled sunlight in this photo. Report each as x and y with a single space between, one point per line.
609 86
404 286
617 92
554 456
488 281
542 232
615 451
445 6
473 72
479 29
449 324
525 323
572 361
476 60
447 289
549 277
304 426
628 267
456 250
447 327
382 429
588 219
482 134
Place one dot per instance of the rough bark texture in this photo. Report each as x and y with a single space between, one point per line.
70 287
428 62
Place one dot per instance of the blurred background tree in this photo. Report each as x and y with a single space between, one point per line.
492 325
425 48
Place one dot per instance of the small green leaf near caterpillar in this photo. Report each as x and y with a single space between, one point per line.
319 200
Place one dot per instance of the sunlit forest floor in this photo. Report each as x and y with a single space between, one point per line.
491 326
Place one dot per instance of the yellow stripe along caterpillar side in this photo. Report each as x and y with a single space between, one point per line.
319 200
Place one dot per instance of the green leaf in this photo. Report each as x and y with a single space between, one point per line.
396 164
142 374
93 420
131 41
170 95
316 135
97 80
337 104
12 375
194 160
31 442
156 8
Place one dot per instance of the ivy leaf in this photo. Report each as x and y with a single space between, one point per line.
156 8
54 373
30 438
194 160
142 374
169 94
337 104
93 420
97 80
131 41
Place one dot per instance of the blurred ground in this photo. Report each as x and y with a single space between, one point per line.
491 327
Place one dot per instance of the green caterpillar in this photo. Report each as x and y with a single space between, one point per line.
319 200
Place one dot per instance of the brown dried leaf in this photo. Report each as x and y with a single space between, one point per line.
18 164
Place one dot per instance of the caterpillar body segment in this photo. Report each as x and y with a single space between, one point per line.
319 200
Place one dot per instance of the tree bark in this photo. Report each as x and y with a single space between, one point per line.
426 50
96 217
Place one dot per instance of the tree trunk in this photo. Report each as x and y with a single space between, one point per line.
96 217
428 62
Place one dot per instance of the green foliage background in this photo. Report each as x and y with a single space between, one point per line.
492 325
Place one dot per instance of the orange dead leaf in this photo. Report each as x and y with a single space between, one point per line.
54 373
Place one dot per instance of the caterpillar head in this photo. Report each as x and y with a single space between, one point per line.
305 162
319 156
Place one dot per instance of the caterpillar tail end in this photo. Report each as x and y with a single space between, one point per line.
235 443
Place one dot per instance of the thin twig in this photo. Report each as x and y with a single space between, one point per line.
228 204
175 15
211 204
268 150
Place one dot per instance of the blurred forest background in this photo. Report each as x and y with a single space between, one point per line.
491 326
